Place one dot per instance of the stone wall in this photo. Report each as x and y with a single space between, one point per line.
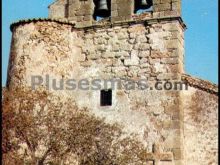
122 10
81 12
200 127
168 7
144 50
147 50
58 9
154 52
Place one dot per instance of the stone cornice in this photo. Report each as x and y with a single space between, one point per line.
147 21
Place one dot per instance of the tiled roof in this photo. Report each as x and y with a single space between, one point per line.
200 84
24 21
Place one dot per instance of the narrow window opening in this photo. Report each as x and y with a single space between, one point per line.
142 6
106 97
102 9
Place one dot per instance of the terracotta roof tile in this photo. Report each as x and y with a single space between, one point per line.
24 21
200 84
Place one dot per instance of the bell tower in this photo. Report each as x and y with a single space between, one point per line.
133 39
85 12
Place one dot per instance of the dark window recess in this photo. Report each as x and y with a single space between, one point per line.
106 97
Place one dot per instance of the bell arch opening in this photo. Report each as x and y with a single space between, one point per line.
142 6
102 9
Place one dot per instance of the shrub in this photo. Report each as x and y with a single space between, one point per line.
40 128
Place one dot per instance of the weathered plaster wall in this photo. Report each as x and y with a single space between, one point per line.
200 127
153 52
60 6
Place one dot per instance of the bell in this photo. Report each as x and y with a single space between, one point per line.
144 3
102 5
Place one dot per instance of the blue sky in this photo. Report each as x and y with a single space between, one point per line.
201 36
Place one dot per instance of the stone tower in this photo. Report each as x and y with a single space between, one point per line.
73 44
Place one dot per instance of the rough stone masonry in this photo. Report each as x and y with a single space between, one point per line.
71 43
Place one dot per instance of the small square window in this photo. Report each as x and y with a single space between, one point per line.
106 97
